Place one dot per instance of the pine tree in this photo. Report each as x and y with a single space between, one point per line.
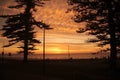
20 27
102 18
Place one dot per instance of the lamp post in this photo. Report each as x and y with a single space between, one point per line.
43 44
45 27
68 51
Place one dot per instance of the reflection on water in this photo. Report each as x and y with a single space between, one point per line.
59 56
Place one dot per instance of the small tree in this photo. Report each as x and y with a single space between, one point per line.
20 27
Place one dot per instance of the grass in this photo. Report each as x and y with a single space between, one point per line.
83 69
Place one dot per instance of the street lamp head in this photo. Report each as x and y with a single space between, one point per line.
44 25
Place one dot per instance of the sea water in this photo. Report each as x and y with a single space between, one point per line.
59 56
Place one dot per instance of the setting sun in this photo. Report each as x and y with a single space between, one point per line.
56 50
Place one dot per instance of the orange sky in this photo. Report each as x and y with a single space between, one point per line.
64 32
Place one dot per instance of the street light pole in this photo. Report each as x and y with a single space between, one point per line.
44 51
45 27
68 52
43 44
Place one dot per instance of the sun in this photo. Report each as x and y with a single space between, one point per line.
56 50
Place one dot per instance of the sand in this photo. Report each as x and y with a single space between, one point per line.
82 69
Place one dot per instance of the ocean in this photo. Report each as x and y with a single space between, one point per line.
59 56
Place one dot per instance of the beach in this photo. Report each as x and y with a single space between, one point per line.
63 69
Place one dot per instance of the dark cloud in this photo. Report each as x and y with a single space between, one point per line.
5 3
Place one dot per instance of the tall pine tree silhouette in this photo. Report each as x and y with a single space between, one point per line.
20 27
102 18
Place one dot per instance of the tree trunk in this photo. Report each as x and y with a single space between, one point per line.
113 48
26 51
27 25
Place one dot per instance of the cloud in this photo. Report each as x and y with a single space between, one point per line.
64 32
54 14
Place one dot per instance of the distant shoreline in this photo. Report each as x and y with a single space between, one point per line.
56 56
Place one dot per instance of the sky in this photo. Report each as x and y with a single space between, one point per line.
61 38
